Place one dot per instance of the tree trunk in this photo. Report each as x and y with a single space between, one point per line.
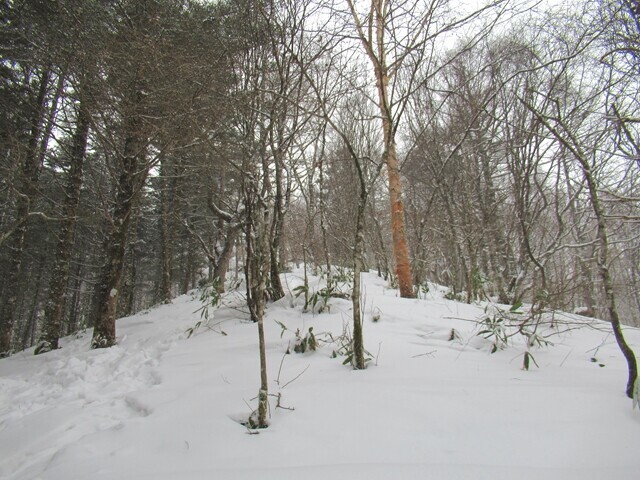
607 282
30 328
358 341
400 247
74 309
603 253
60 275
376 49
104 333
390 158
263 394
257 274
166 233
127 288
132 177
29 173
276 291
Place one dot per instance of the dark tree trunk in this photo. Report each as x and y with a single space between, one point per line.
190 268
29 173
166 232
607 282
104 333
29 331
133 174
73 308
276 291
358 248
128 282
60 276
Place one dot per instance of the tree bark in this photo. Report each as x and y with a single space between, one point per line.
276 290
127 290
166 234
29 173
400 247
607 282
221 266
358 248
132 177
60 276
257 273
376 49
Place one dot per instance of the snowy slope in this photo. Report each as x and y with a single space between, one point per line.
163 406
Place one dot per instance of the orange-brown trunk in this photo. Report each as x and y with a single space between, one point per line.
400 248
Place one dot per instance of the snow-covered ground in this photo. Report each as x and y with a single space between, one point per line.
161 406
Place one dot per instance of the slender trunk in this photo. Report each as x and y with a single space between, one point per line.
383 263
263 406
74 307
257 273
457 253
260 298
496 246
166 234
607 282
50 121
582 266
323 218
603 254
358 341
276 290
188 262
60 276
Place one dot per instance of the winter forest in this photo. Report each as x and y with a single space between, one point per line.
152 147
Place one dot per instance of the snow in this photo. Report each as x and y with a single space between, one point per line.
165 405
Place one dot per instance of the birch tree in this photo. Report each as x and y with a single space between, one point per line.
399 39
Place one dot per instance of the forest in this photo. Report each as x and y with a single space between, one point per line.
149 147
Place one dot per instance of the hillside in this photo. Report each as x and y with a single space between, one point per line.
165 405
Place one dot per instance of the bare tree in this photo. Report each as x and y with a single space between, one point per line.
574 110
399 39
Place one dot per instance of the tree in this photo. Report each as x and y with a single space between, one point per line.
30 99
80 76
372 31
151 85
332 77
586 137
399 38
52 326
